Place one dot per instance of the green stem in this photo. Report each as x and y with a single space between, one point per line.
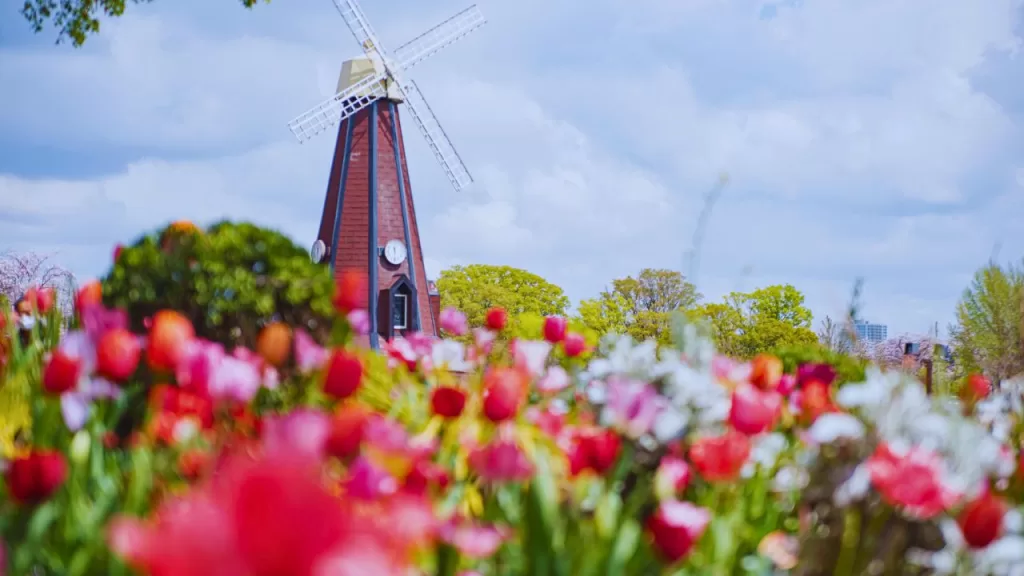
850 540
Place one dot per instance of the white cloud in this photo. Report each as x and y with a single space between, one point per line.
857 142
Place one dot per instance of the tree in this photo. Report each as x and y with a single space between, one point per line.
834 336
476 288
746 324
20 270
987 336
641 306
229 280
76 20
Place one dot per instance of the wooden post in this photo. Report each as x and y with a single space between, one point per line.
928 376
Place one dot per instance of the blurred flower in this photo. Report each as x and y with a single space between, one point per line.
504 391
574 344
274 343
34 477
632 406
351 291
592 448
554 380
309 355
117 354
911 480
61 373
344 374
300 432
346 430
555 328
90 294
981 520
496 319
451 355
447 401
720 458
453 321
675 527
823 373
754 410
388 445
828 428
367 482
671 478
359 320
169 337
472 539
531 355
766 371
501 461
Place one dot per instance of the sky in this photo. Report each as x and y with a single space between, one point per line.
873 139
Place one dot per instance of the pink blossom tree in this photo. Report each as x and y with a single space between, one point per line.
21 270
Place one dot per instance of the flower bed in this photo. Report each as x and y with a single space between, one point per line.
167 454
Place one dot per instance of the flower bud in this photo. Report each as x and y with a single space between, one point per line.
79 449
555 328
344 375
496 319
675 527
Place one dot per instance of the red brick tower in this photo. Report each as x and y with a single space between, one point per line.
369 221
368 207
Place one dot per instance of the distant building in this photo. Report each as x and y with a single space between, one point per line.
871 332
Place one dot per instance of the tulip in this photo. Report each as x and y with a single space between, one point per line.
504 391
344 375
595 449
815 401
753 411
574 344
675 527
978 387
555 328
61 373
453 322
359 320
425 475
981 521
447 401
346 431
274 343
823 373
40 300
169 337
501 461
117 355
309 355
472 539
720 458
34 478
496 319
351 291
765 371
90 294
633 406
671 478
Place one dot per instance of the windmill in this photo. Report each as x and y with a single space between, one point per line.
368 221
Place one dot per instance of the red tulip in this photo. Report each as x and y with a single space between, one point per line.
675 527
720 458
501 461
34 478
61 373
574 344
425 475
765 371
169 336
595 449
981 521
978 386
117 355
753 411
815 401
40 299
504 390
555 328
447 401
496 319
90 294
346 431
351 291
344 375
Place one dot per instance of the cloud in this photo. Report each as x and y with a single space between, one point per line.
858 140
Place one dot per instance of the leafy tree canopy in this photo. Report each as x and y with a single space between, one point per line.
987 336
747 323
76 20
476 288
641 306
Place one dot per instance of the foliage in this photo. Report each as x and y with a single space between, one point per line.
76 20
747 324
476 288
989 332
848 368
640 307
229 281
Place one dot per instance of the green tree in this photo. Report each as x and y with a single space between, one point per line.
476 288
747 323
229 281
76 20
987 336
641 306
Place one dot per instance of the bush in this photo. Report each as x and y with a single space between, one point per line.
848 368
229 280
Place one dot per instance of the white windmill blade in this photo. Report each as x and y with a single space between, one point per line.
436 138
338 107
353 16
438 37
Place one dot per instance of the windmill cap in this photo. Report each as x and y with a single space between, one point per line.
357 69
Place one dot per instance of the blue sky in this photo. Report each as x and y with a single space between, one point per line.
863 138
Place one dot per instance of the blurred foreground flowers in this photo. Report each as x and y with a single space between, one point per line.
166 454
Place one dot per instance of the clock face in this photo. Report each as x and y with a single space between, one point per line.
316 253
395 252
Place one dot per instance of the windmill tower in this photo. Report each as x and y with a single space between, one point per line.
369 220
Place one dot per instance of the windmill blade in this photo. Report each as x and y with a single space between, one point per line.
438 37
353 16
435 136
338 107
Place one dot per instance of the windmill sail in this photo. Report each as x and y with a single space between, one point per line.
435 136
438 37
